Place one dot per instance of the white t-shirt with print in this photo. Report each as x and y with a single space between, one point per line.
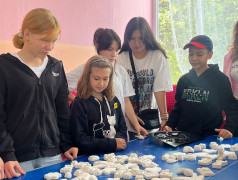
234 76
121 82
153 75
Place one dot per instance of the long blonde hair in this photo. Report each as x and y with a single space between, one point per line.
39 21
84 89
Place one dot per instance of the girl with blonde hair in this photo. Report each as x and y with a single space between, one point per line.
97 121
34 112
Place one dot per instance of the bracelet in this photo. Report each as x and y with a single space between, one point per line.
163 113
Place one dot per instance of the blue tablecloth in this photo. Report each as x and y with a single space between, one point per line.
152 146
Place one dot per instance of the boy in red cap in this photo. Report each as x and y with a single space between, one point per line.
202 94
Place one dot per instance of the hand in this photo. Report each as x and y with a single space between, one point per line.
167 128
10 168
1 169
140 130
121 144
71 154
162 125
225 134
140 120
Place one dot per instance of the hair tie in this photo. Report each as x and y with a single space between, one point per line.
20 35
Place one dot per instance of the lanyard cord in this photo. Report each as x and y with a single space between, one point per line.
101 107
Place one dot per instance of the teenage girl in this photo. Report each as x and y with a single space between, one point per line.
151 66
97 121
107 44
34 112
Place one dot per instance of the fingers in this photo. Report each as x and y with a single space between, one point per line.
140 120
68 156
19 169
167 128
225 134
11 173
75 152
121 144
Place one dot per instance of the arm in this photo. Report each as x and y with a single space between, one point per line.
80 131
121 128
161 102
175 113
133 118
6 141
63 115
230 106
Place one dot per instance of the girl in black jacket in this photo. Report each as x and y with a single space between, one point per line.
97 122
34 111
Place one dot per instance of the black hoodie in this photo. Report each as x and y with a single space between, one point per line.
91 136
200 101
34 112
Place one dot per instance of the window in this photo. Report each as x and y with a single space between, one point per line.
180 20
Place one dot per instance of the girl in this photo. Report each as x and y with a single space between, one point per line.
151 66
231 64
107 44
97 122
44 112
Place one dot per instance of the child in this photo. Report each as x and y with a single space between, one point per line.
107 44
202 95
34 112
97 122
151 66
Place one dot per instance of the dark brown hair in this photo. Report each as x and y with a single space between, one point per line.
103 39
147 35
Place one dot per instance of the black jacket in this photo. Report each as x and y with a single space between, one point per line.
85 121
200 101
34 112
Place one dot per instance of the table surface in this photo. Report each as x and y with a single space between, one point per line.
153 147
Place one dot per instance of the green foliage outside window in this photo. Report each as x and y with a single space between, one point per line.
218 18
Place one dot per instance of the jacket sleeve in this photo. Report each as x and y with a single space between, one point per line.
81 133
229 105
63 113
175 113
6 142
121 130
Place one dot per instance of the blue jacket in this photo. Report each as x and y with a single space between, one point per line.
88 133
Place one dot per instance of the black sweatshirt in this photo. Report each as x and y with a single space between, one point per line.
200 101
88 134
34 112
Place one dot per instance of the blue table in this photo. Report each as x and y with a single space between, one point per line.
151 146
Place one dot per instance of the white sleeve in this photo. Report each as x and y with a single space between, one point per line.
163 80
73 77
127 85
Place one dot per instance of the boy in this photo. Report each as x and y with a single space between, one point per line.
202 95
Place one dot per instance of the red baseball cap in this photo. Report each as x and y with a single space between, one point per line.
200 41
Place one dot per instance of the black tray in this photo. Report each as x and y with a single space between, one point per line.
176 138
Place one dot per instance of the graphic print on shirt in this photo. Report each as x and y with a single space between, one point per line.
146 79
98 130
112 132
195 94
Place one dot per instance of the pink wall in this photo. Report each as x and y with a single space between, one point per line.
78 18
